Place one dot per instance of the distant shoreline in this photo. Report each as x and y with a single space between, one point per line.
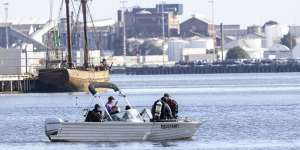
211 69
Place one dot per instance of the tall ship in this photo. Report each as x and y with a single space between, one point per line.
68 77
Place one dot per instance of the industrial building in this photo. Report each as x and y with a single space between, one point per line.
100 36
250 43
196 26
278 51
274 33
164 19
296 52
191 49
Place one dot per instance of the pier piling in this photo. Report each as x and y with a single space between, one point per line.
15 83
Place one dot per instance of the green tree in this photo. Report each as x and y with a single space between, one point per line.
237 53
289 41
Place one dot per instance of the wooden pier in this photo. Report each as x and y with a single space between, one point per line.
16 83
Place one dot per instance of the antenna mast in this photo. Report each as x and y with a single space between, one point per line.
123 2
51 10
86 51
68 34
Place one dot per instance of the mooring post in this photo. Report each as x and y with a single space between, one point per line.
11 86
3 86
21 86
29 86
25 85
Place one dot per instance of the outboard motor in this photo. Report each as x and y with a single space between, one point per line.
52 126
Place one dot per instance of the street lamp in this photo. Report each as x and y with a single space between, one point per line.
163 29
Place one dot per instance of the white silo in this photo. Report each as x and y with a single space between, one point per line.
175 47
203 43
274 33
253 47
296 52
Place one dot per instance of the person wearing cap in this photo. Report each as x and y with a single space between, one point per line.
95 115
114 113
110 103
161 111
172 104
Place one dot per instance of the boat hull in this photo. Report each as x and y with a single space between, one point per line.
69 80
124 131
79 80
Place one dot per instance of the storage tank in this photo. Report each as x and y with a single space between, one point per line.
296 52
274 33
175 47
254 47
253 43
206 43
253 29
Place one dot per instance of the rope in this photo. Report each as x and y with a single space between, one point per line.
97 41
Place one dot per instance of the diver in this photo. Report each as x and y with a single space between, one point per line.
161 111
95 115
172 104
128 113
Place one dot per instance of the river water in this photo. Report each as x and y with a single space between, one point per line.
241 112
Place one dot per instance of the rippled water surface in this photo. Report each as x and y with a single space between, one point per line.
241 112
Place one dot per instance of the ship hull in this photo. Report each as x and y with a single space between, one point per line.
69 80
79 80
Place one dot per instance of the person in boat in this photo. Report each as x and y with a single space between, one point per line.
132 115
95 115
110 103
127 113
172 104
104 65
114 113
161 110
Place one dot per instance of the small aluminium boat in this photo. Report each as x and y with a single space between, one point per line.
138 127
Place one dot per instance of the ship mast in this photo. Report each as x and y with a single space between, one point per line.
86 51
68 35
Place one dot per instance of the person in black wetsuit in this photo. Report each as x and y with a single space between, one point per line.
95 115
173 105
114 114
161 111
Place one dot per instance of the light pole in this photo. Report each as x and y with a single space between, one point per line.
51 10
163 29
6 23
222 41
212 2
123 2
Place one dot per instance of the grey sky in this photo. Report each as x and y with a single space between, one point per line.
245 12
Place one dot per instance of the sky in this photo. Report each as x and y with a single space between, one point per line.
244 12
